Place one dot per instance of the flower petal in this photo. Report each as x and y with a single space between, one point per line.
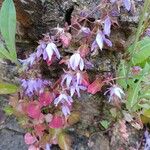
127 4
107 26
99 40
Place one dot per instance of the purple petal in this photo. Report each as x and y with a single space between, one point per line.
127 4
99 40
49 51
54 47
108 42
74 60
68 81
65 110
81 65
86 31
72 90
45 55
107 26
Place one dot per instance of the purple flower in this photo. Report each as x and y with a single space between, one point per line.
76 61
76 89
47 50
29 61
114 91
51 49
33 85
63 98
86 31
147 138
100 40
65 110
67 78
127 4
107 26
41 49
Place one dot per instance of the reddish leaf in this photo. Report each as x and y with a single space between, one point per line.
39 129
85 79
84 50
33 110
46 98
65 39
57 122
95 86
29 139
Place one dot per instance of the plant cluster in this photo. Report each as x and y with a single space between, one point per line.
44 106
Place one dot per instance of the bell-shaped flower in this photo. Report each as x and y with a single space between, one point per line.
76 61
76 89
29 61
85 31
51 49
63 98
67 79
100 40
65 109
114 92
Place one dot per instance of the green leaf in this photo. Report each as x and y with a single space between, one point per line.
122 71
105 123
4 53
8 110
143 51
6 88
8 25
133 94
64 141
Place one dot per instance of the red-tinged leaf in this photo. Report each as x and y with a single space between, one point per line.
95 86
73 118
84 50
46 98
29 139
57 122
34 110
85 79
65 39
64 141
39 129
